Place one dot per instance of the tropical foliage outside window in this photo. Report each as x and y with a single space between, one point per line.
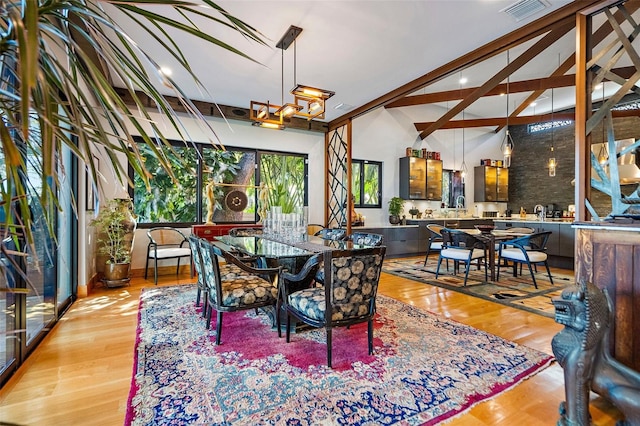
366 183
184 200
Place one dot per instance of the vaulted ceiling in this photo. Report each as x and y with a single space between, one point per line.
401 54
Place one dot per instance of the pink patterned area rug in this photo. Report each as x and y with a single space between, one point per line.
425 369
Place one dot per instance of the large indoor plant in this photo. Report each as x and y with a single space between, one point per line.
116 225
396 207
58 62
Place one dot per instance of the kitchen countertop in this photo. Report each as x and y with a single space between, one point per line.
561 221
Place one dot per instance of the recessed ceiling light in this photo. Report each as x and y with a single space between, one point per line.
463 80
166 71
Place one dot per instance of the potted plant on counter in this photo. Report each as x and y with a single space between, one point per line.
115 225
396 207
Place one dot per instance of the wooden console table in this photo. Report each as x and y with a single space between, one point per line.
208 232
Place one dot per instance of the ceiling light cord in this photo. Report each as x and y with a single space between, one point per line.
552 158
507 143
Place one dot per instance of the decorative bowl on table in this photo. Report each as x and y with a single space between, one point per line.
485 229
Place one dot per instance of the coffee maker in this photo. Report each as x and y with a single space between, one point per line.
553 211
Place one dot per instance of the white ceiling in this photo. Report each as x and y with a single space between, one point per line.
361 49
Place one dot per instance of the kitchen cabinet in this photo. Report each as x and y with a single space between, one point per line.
420 179
491 184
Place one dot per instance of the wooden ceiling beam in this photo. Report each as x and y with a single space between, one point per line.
502 44
518 121
212 109
558 30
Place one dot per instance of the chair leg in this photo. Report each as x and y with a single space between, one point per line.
533 277
205 303
155 271
546 265
278 307
288 330
178 267
146 267
426 257
218 327
198 296
208 318
438 268
329 347
370 332
467 266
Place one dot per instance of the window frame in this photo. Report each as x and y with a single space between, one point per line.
200 179
362 164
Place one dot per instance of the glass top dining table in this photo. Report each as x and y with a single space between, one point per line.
291 255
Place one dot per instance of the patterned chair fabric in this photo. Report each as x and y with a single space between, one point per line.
529 249
166 243
348 296
194 243
235 287
366 239
333 234
461 247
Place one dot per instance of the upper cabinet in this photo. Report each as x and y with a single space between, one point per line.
420 179
491 184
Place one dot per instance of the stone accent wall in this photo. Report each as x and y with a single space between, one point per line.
529 180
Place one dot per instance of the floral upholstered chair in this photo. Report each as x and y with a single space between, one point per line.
194 243
241 287
333 234
348 296
366 239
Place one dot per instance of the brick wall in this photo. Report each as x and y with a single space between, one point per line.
529 180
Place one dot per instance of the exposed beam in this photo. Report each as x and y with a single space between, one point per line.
515 38
558 30
518 121
224 111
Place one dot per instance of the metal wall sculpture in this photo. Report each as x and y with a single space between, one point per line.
582 349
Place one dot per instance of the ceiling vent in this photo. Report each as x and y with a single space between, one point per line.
525 8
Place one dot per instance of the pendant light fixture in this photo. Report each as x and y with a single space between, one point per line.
603 154
552 155
309 102
463 166
507 142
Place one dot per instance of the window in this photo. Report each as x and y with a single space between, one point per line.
366 183
185 200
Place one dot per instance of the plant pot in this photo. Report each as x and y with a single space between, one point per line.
116 271
394 219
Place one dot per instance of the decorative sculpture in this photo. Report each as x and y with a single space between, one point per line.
582 349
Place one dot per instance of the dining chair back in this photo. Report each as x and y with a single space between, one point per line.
333 234
366 239
241 288
166 243
435 240
528 249
460 246
194 243
348 296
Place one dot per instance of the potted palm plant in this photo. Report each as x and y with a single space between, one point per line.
58 62
396 207
116 225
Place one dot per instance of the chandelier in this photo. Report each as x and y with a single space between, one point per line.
308 101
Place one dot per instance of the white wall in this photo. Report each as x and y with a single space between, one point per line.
384 135
381 135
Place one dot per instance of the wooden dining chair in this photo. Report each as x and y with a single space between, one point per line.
347 298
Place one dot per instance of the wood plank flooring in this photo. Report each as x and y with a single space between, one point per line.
81 373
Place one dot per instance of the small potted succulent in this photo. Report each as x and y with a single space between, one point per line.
396 207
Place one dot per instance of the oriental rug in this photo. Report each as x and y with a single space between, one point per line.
425 369
516 292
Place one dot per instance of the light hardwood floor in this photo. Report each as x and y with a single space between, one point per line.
81 373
